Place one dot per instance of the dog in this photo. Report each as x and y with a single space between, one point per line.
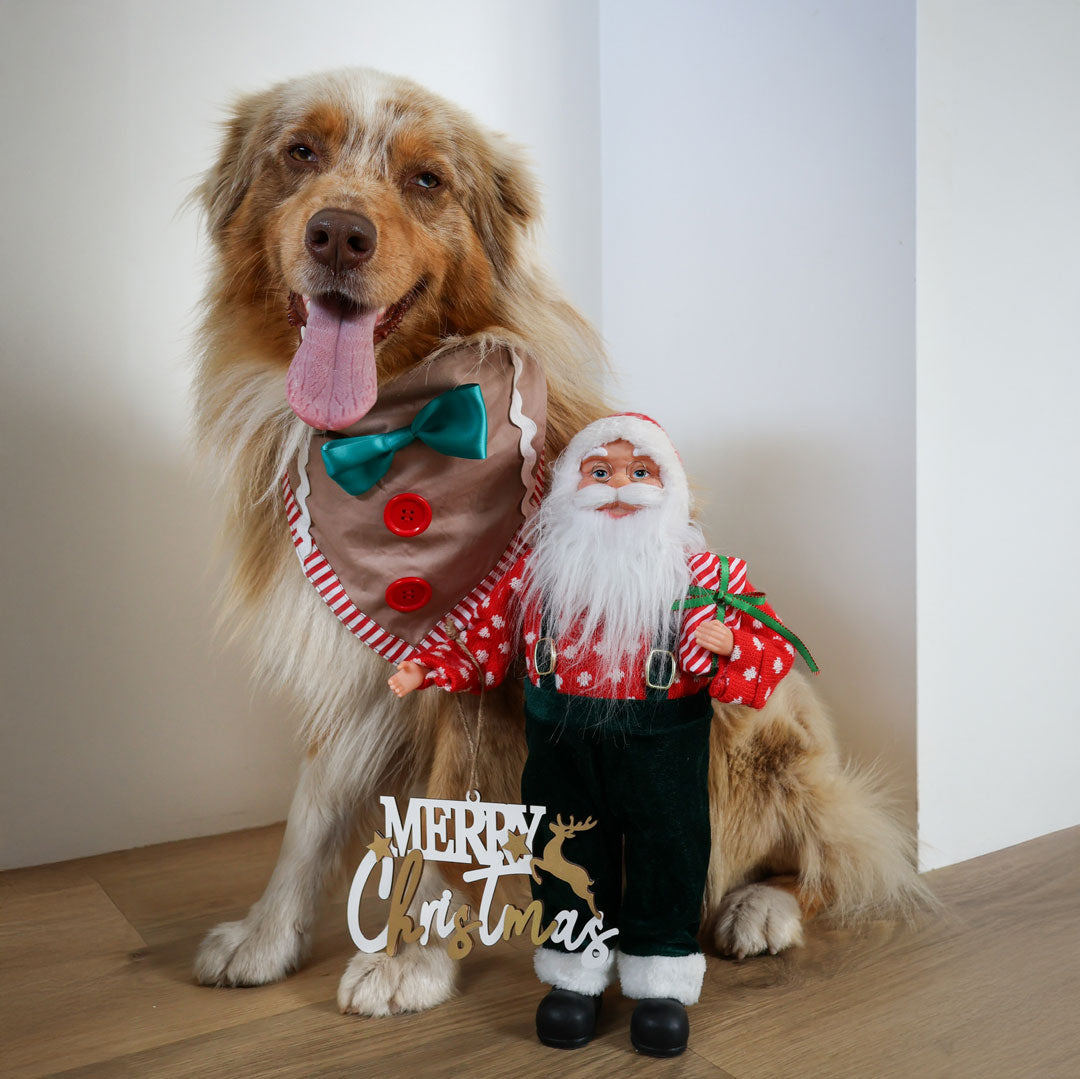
430 236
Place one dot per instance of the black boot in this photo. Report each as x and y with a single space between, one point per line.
567 1020
659 1027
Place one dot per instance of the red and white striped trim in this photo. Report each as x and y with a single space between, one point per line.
705 571
326 583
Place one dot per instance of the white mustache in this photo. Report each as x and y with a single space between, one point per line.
633 494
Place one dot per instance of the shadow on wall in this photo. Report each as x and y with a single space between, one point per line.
786 508
128 721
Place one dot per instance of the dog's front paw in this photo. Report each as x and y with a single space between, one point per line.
758 918
412 981
251 952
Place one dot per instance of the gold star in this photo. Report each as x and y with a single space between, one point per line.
381 846
515 845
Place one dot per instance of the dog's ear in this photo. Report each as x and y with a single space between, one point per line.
503 201
224 185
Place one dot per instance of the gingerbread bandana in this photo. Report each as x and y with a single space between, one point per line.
408 517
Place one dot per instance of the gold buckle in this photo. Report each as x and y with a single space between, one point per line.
648 669
536 656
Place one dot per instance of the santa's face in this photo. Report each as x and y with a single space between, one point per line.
610 544
614 466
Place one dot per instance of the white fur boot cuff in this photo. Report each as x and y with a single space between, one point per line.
565 970
675 976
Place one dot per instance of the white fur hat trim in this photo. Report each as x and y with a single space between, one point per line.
643 433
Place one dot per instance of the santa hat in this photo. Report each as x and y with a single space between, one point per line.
648 439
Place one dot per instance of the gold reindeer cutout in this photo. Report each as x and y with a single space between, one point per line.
553 862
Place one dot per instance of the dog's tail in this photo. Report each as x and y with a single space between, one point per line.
858 851
785 805
863 860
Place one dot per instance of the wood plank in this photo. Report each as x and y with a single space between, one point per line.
96 958
487 1031
166 888
989 988
80 984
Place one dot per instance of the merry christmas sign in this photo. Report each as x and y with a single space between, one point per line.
499 838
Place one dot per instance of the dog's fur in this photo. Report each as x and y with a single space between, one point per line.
795 831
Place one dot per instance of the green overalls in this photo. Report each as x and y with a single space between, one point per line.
640 768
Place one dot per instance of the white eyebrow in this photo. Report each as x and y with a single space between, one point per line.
600 451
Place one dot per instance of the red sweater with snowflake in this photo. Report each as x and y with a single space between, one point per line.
759 659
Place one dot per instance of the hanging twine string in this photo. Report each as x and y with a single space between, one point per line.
472 738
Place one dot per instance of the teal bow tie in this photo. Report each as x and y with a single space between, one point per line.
454 423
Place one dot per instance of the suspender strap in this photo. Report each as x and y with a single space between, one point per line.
545 655
662 665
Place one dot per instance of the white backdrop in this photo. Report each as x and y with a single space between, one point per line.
999 454
731 191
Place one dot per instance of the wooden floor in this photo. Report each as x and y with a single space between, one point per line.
95 960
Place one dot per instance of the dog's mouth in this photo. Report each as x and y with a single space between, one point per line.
332 381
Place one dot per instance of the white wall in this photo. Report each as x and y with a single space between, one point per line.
745 175
998 387
124 723
758 287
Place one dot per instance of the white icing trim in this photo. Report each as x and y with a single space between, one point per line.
303 524
528 433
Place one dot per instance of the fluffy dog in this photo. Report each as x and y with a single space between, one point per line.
443 257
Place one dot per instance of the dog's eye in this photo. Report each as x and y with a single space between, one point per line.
427 180
300 152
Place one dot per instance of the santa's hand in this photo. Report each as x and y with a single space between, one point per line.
715 637
409 676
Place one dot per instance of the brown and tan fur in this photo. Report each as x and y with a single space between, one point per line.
784 807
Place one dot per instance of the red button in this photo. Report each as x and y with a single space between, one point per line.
408 593
407 515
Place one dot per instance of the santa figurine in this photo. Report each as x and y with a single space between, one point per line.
629 630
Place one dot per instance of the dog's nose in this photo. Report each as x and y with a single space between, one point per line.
340 239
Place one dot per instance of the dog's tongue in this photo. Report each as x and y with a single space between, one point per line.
331 381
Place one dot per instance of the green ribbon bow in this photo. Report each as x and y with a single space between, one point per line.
748 602
454 423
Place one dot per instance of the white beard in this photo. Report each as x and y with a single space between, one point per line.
618 575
